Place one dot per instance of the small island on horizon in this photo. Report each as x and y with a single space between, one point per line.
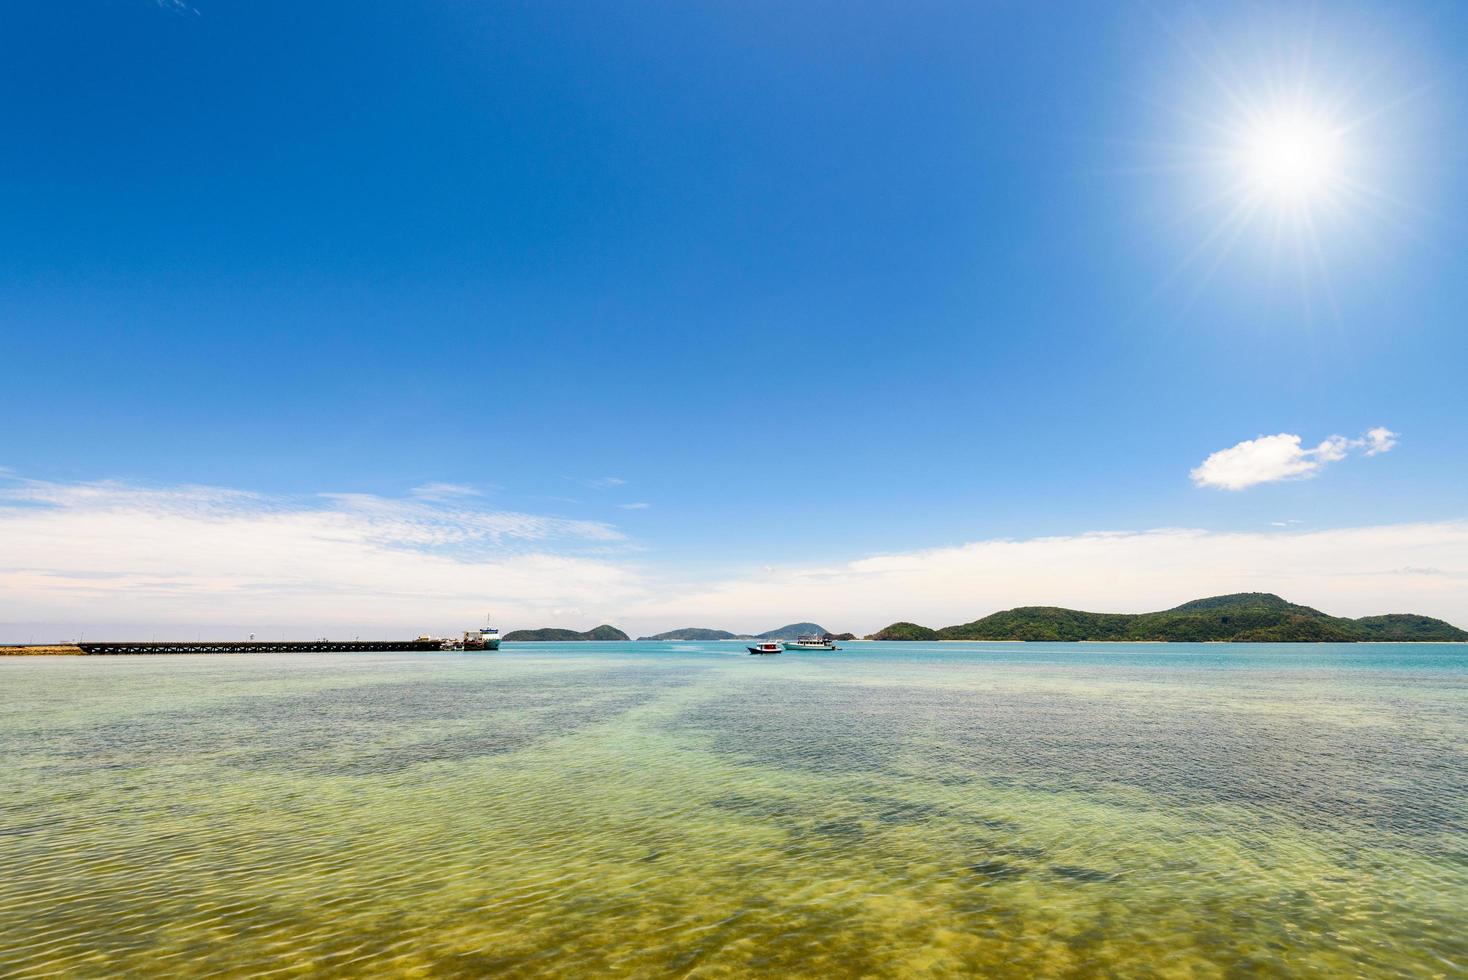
790 631
551 634
1242 617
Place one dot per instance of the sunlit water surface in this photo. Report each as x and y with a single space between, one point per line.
661 809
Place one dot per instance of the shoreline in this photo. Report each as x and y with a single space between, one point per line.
72 650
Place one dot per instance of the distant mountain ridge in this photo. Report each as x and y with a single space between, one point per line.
792 631
788 632
695 633
1243 617
905 631
550 634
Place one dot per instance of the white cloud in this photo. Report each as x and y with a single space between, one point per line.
137 559
443 491
1268 459
1261 460
1349 571
106 552
638 505
1380 440
606 482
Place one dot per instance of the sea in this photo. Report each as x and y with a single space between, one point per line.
685 809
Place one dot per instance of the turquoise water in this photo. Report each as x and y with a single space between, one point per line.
686 809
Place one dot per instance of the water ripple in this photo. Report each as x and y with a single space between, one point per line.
625 811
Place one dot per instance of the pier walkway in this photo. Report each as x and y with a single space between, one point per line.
259 646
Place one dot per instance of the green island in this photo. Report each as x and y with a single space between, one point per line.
789 631
792 631
550 634
696 633
1244 617
905 631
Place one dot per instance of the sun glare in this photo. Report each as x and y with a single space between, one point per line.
1288 150
1292 157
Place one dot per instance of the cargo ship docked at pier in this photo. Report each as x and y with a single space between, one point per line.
486 638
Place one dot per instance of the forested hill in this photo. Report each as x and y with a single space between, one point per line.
792 631
552 635
1245 617
788 632
694 633
905 631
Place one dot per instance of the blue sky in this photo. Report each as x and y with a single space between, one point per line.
741 287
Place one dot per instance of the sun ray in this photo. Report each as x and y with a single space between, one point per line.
1239 216
1282 151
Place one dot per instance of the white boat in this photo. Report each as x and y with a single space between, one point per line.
811 643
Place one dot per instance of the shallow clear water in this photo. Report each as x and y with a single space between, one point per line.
650 809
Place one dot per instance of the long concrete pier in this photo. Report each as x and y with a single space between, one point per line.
256 646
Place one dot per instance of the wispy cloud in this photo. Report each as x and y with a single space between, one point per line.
638 505
106 551
102 552
176 7
1269 459
444 491
1379 440
1347 571
605 482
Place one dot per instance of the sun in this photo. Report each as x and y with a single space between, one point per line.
1292 156
1287 152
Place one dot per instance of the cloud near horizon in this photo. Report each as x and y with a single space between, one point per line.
88 555
105 552
1349 572
1269 459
